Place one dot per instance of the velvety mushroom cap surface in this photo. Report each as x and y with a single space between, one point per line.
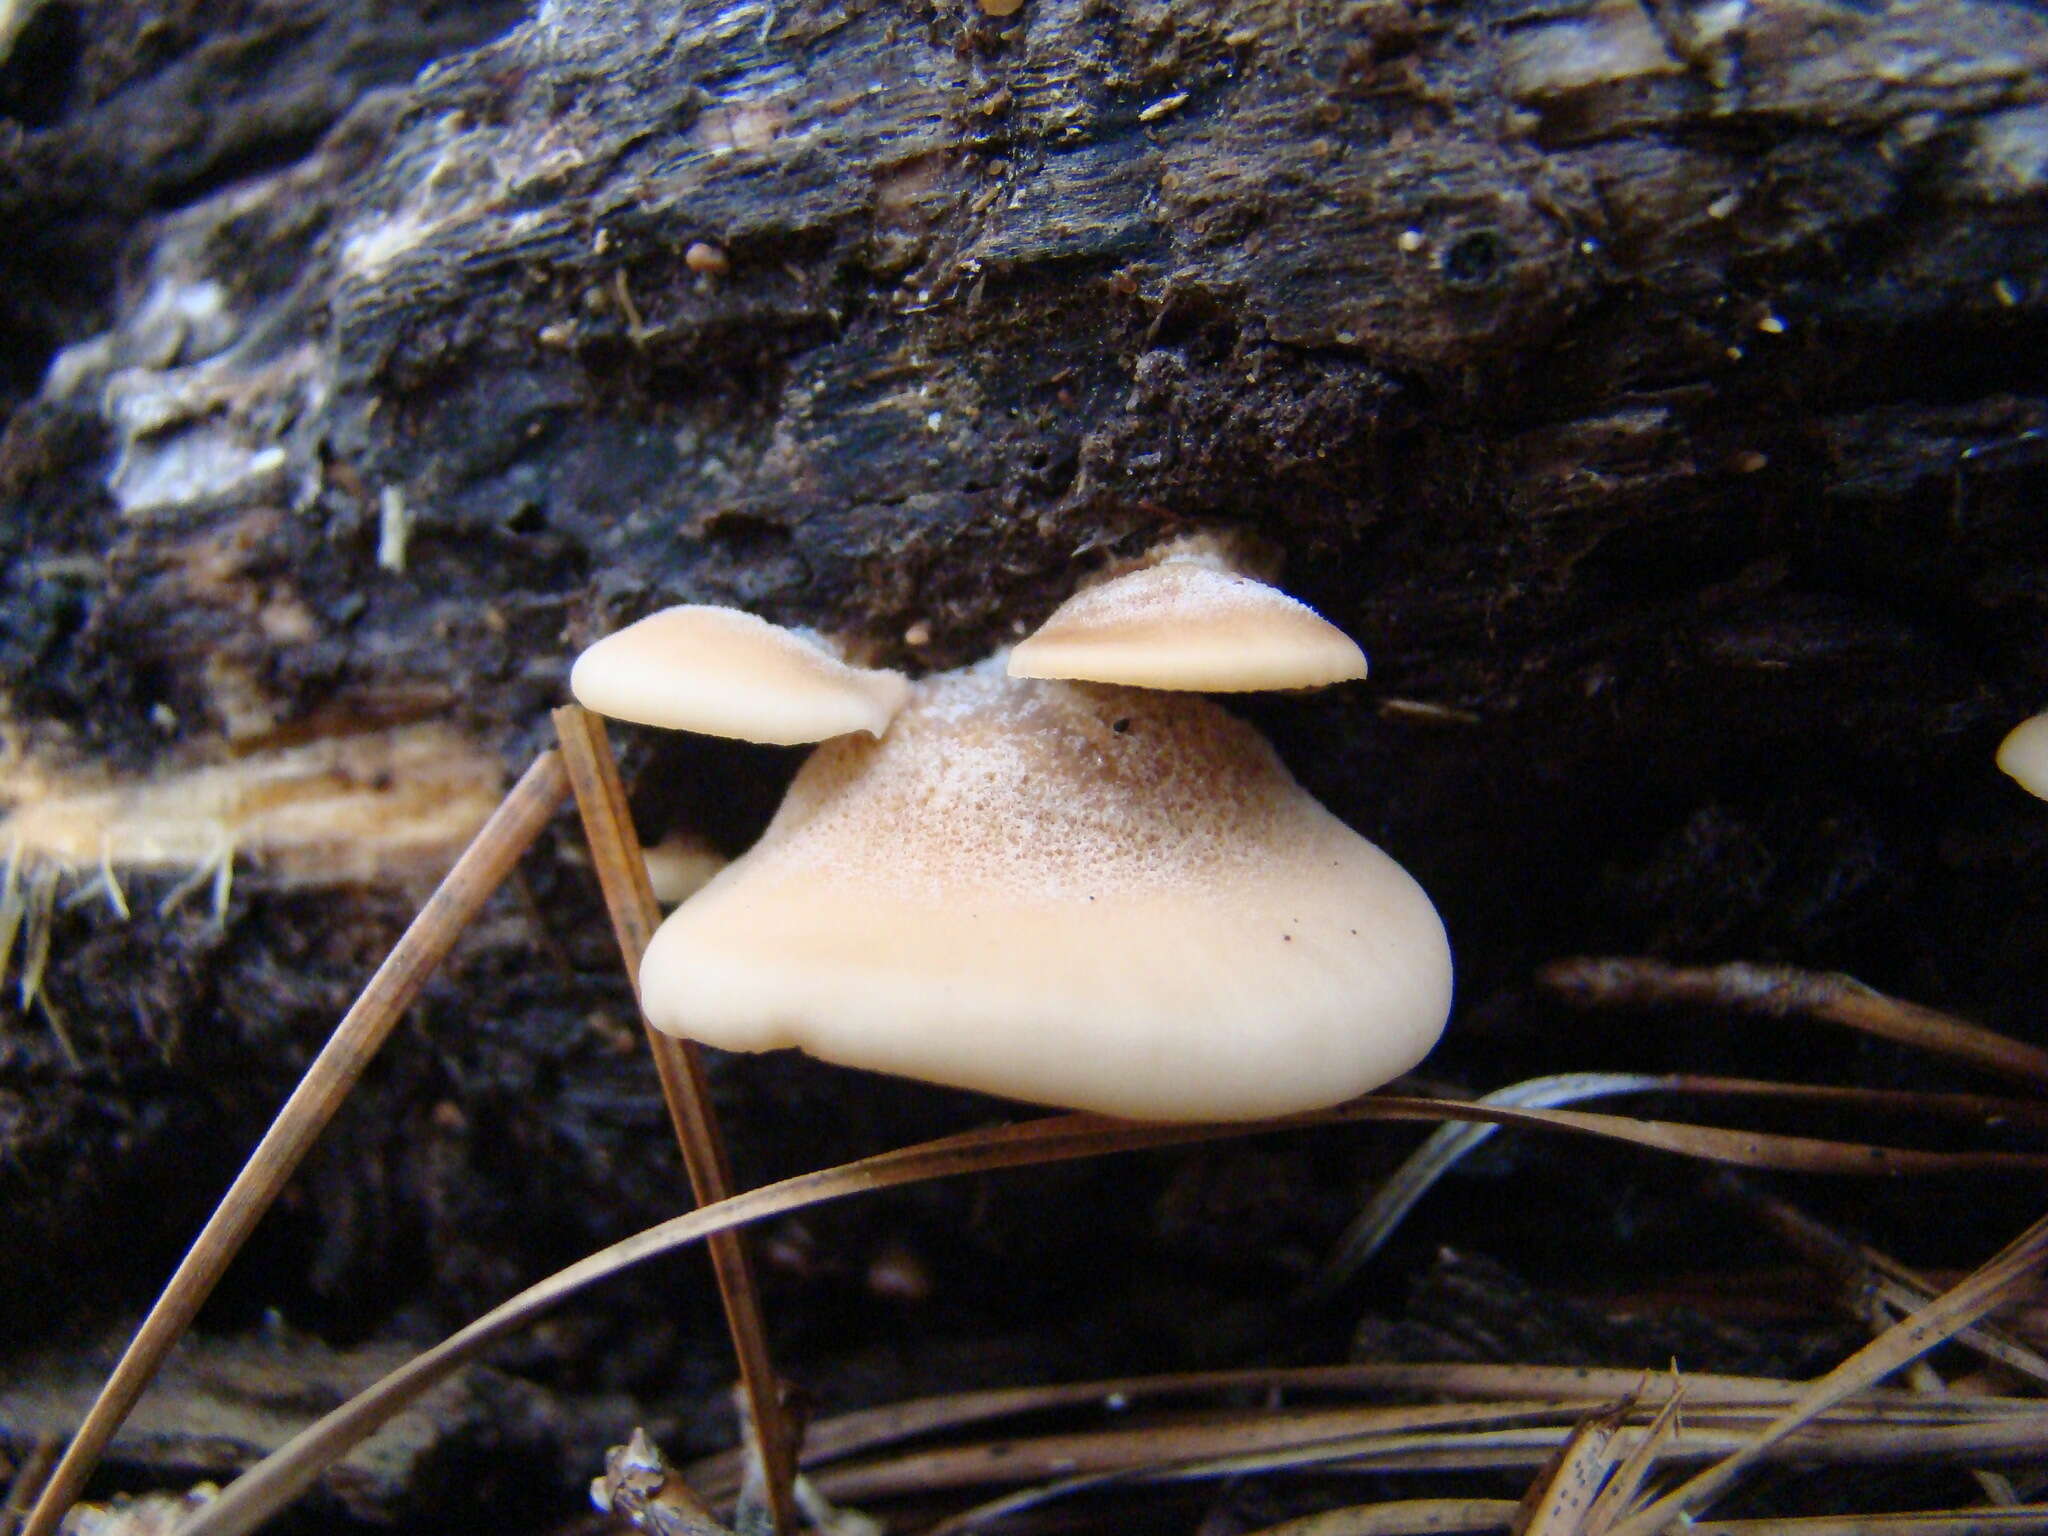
1189 625
2024 755
722 672
1093 897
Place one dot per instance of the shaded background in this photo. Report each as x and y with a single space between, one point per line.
1659 394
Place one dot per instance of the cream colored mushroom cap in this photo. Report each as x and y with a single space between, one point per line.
722 672
679 866
1099 898
2024 755
1186 624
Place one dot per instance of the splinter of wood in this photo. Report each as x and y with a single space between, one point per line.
621 871
490 857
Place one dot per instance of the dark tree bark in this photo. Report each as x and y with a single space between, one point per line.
1659 392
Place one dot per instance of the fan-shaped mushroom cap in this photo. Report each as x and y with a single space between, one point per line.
722 672
1187 624
1094 897
2024 755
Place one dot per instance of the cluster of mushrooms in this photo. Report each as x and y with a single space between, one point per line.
1061 875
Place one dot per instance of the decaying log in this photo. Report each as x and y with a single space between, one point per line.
1658 391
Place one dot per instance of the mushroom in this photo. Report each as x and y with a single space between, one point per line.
2024 755
679 866
722 672
1189 621
1103 898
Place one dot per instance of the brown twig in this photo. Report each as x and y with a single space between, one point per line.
1780 991
483 866
622 872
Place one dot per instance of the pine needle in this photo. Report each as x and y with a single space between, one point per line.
283 1475
2001 1278
1784 991
629 899
320 1093
1429 1517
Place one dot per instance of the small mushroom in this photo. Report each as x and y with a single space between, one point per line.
1189 623
722 672
679 866
1103 898
2024 755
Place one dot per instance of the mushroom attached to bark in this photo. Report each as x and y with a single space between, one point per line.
2024 755
1189 623
722 672
1101 898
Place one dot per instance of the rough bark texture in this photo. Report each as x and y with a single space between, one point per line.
1659 393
